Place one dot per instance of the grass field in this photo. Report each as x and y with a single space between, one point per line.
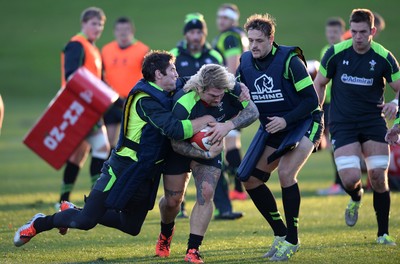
29 185
35 32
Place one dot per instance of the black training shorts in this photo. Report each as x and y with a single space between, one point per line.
346 133
178 164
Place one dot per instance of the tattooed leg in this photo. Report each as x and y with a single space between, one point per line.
206 178
174 190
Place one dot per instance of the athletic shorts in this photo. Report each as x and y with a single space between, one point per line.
346 133
314 132
114 113
178 164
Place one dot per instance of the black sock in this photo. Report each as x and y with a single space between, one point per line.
70 174
291 204
234 159
167 229
355 194
265 202
183 206
95 169
238 185
382 208
194 242
43 223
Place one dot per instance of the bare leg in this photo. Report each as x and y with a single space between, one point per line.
206 178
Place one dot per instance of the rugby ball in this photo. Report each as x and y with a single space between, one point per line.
200 141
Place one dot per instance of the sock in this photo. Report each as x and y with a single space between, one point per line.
265 202
183 206
95 169
355 194
70 174
382 208
291 204
194 242
233 158
167 229
238 185
43 223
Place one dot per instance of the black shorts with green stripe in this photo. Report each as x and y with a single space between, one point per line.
314 132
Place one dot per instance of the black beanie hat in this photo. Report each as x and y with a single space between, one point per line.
195 21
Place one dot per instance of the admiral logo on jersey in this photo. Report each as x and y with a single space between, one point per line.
357 80
265 90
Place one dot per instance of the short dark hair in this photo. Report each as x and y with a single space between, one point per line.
336 22
362 15
156 60
264 23
92 12
124 20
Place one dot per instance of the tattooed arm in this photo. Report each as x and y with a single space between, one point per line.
245 118
186 149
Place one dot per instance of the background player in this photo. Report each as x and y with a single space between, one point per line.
358 68
231 42
81 51
122 69
334 30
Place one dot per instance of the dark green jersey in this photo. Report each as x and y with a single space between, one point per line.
187 64
189 106
358 80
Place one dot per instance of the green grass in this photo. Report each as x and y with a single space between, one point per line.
29 185
34 32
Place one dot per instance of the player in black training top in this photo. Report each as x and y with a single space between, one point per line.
359 69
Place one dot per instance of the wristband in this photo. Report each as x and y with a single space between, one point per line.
396 101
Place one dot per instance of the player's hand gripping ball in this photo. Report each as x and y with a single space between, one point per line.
200 140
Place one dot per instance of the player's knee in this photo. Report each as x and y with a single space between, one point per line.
84 224
101 151
285 172
377 163
261 175
134 230
347 162
173 201
252 183
100 146
207 193
350 181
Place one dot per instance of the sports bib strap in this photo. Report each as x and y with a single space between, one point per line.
126 142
